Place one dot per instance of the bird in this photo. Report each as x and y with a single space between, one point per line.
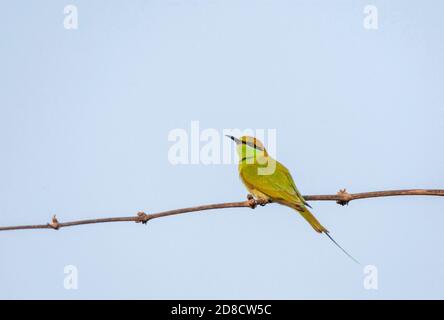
268 181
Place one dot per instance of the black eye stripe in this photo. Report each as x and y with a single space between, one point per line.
253 145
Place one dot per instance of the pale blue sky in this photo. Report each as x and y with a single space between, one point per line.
84 120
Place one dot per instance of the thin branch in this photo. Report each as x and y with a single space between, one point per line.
342 198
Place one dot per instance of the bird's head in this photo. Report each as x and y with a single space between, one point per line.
249 147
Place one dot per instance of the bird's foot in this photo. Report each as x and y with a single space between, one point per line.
263 202
255 202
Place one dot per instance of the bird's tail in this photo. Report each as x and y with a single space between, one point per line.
310 219
319 227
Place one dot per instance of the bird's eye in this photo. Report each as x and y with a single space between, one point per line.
253 145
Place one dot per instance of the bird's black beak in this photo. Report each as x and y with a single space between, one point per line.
234 139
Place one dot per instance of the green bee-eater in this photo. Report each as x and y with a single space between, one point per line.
269 181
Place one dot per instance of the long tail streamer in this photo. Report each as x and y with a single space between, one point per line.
333 240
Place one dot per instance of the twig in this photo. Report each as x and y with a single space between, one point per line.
342 198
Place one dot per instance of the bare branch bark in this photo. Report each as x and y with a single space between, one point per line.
342 198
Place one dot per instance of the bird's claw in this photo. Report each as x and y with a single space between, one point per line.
253 203
262 202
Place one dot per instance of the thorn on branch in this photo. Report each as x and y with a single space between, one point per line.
345 197
142 217
54 223
342 198
251 201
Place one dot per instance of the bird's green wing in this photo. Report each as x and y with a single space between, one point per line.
290 179
278 186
